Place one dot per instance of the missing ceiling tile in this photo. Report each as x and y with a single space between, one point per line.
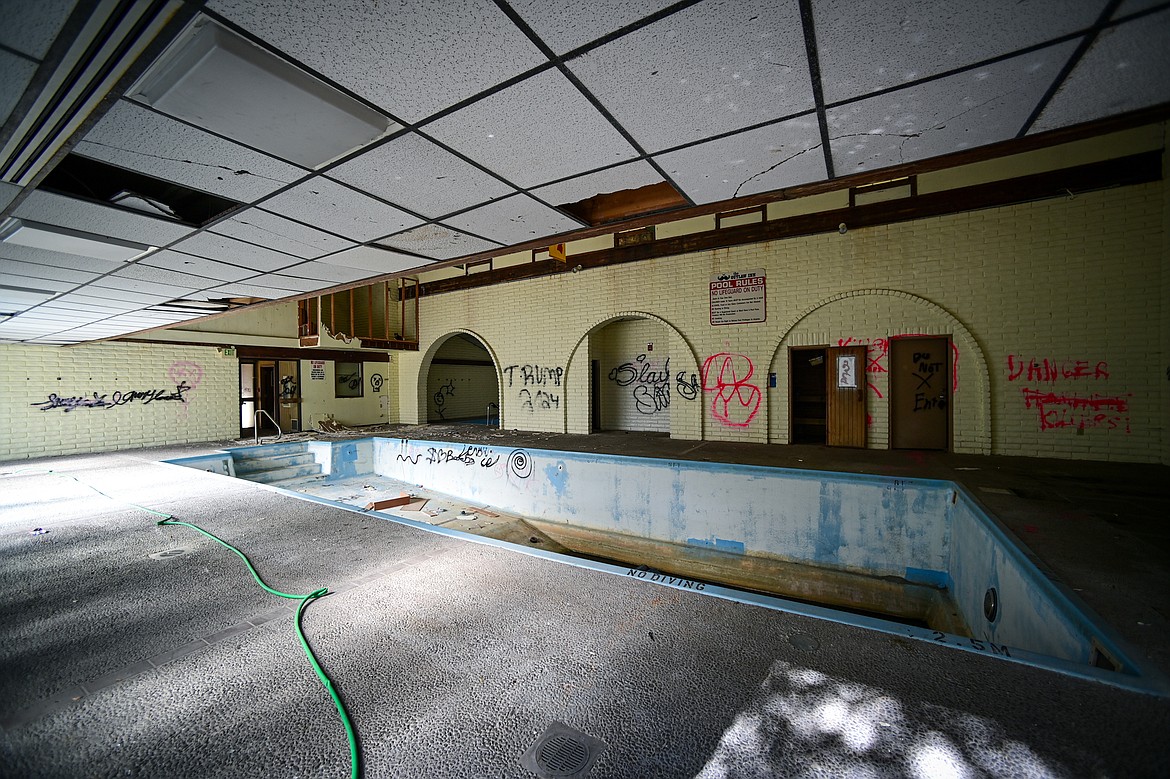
627 204
82 177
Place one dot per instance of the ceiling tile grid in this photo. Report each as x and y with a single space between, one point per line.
411 170
778 155
15 75
563 27
281 234
45 257
716 67
196 266
863 48
438 242
9 268
375 259
141 140
412 59
513 220
1127 68
213 246
969 109
323 272
539 130
340 210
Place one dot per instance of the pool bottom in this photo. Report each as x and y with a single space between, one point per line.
888 598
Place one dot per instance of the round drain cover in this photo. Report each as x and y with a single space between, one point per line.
168 554
562 755
991 604
804 643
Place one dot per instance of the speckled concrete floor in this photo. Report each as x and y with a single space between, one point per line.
454 656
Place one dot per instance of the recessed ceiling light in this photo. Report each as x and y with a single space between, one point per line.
215 79
52 238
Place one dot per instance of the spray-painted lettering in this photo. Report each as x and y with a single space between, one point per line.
1058 410
534 375
735 400
651 386
1048 371
119 398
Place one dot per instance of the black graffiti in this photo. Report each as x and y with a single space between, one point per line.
542 400
469 456
119 398
640 371
651 399
288 387
441 396
673 581
534 375
376 382
688 389
352 380
410 458
519 464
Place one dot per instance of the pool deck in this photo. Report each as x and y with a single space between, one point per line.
454 656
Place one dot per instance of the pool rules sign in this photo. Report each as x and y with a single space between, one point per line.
738 298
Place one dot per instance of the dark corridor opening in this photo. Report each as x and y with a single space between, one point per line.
809 412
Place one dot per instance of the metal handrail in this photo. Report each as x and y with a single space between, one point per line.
256 425
488 419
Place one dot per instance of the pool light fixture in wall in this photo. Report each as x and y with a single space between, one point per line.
213 78
34 235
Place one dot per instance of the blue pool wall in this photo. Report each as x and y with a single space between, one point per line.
922 530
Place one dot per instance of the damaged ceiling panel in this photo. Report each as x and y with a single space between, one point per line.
480 126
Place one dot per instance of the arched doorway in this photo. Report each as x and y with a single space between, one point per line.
461 382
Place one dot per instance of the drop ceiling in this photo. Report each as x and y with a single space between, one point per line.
482 117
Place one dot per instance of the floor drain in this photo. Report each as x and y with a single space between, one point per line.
168 554
562 753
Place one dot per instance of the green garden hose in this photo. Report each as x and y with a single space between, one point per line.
305 600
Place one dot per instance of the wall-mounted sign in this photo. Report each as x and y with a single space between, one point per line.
738 298
317 370
846 371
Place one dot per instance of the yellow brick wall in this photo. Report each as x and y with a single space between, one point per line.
1078 281
116 396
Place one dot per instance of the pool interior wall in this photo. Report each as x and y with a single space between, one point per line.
917 531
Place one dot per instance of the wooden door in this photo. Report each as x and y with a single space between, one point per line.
845 385
920 389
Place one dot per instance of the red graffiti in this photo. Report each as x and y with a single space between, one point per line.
1049 371
1057 411
876 350
736 401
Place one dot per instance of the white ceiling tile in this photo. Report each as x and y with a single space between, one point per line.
718 66
139 139
69 262
199 266
177 278
115 283
33 270
98 219
294 283
538 130
42 283
30 28
513 220
631 175
327 273
438 242
563 25
246 290
261 227
760 160
15 75
100 298
224 249
411 59
421 175
8 192
341 210
969 109
863 48
1128 7
1127 68
374 259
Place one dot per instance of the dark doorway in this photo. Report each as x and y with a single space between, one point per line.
808 393
594 396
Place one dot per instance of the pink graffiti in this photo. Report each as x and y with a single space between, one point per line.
736 401
1057 411
1049 371
185 371
876 350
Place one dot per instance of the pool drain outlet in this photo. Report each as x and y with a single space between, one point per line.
562 753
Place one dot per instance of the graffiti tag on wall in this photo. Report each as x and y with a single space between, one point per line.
651 387
735 400
876 351
115 399
534 382
1058 410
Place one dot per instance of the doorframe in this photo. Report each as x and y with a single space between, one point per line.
792 393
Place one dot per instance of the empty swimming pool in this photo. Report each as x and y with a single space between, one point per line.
914 557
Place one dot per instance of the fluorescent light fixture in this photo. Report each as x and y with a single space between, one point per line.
34 235
217 80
